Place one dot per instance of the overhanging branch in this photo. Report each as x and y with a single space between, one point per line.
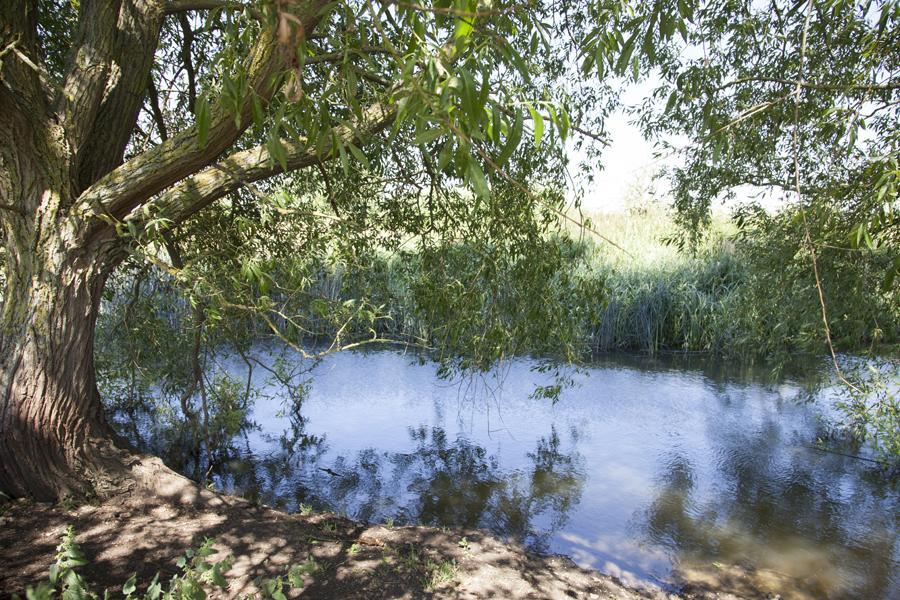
140 178
194 193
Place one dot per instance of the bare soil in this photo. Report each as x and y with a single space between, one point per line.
137 532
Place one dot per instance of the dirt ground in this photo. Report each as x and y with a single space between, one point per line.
146 534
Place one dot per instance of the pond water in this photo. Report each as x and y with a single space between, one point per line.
663 473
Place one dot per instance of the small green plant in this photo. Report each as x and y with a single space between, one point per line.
68 503
410 560
305 509
330 526
438 573
354 548
464 544
196 576
389 522
293 578
297 572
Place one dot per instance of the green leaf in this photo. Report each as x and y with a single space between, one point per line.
891 276
345 161
477 179
154 590
670 104
130 585
463 26
259 114
512 140
295 575
428 135
469 96
358 154
484 92
201 111
445 155
625 56
76 557
538 125
218 579
276 149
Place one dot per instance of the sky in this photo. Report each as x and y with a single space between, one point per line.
629 160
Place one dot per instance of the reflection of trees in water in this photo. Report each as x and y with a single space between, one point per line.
459 484
807 517
455 483
439 481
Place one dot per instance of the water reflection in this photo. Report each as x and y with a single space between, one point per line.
438 481
660 473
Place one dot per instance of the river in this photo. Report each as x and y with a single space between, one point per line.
665 473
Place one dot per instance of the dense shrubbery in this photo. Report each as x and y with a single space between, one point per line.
747 292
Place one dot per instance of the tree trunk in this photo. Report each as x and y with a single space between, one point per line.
54 439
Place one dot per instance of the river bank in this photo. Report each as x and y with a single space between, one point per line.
146 534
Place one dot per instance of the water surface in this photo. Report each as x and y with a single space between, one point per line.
661 473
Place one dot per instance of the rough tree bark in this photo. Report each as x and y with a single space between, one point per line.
53 438
62 179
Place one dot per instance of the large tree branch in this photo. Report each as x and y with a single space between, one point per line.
23 93
90 63
137 35
194 193
182 155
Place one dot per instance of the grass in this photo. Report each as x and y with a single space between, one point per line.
659 297
438 573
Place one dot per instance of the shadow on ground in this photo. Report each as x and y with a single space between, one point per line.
138 533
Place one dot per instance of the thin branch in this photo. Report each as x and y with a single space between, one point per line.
574 127
153 96
456 12
12 208
187 41
795 139
331 57
328 190
800 83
